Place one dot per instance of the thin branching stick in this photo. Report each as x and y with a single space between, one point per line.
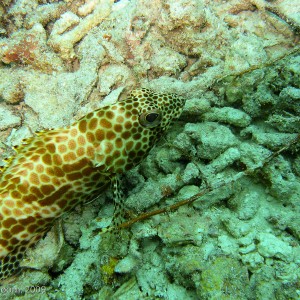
205 191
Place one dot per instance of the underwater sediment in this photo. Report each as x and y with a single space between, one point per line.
238 65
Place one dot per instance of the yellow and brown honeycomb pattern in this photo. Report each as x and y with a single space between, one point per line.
55 170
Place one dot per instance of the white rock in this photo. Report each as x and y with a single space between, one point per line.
7 118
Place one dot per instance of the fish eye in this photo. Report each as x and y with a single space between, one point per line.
150 118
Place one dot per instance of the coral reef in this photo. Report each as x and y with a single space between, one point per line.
238 64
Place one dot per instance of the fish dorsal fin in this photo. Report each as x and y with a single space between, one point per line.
25 144
18 149
7 162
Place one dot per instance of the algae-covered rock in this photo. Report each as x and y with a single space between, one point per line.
284 184
253 261
182 229
271 246
183 263
246 204
228 115
234 226
211 138
225 278
195 107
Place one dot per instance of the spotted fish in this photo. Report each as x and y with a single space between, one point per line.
57 169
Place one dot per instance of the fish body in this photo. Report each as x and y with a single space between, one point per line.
55 170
